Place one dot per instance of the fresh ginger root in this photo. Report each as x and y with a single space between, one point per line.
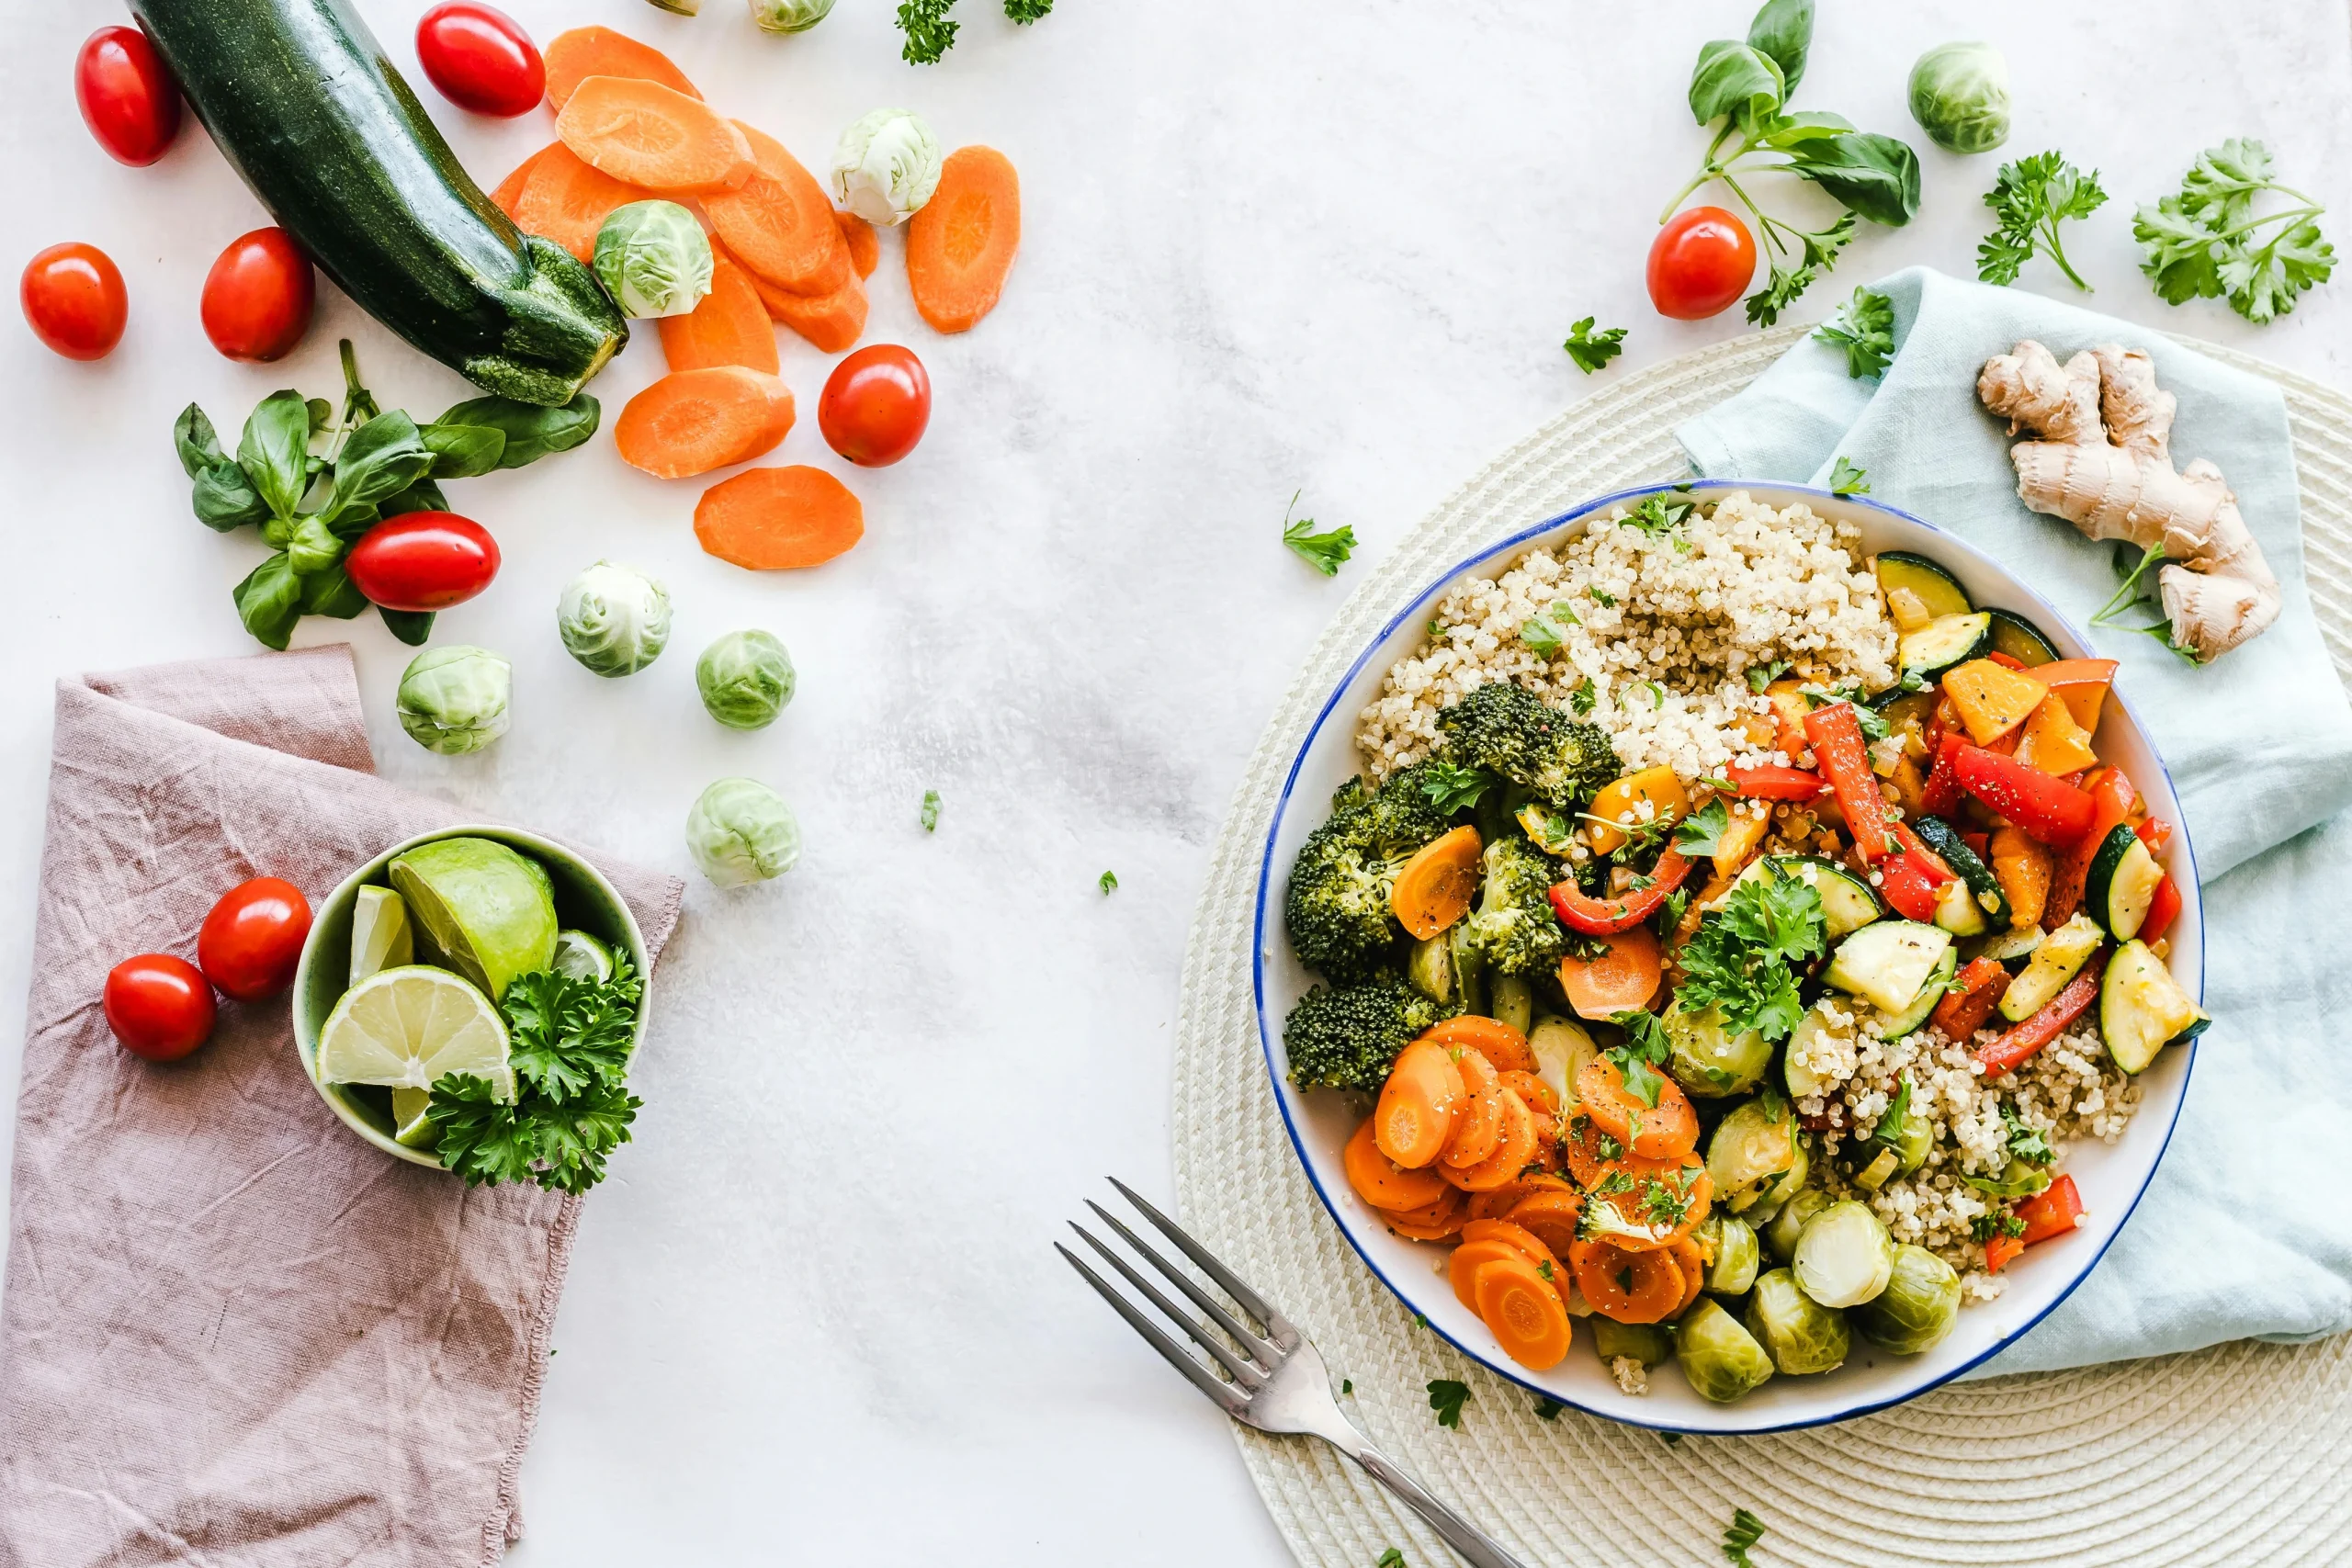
2103 462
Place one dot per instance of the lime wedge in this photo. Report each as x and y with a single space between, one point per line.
404 1028
582 957
410 1127
380 935
484 908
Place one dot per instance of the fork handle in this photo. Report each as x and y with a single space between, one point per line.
1477 1549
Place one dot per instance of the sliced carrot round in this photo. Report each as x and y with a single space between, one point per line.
779 519
563 200
1687 1258
574 55
1433 888
650 135
691 421
779 222
865 246
1665 1131
1550 1216
1631 1287
1532 1090
1496 1202
1533 1246
960 243
1478 1131
1662 1200
1511 1156
1447 1205
1525 1312
1463 1265
728 326
1382 1182
1501 1044
1444 1229
1419 1105
832 322
1623 978
509 191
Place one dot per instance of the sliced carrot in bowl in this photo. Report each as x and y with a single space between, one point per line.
1382 1182
1419 1105
1433 888
1524 1311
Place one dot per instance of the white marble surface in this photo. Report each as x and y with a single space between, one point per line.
814 1315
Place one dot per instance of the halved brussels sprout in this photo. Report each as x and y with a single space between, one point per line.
1562 1047
1752 1148
1708 1059
1844 1256
1781 1235
1737 1254
1511 999
1960 95
2018 1179
1647 1343
1800 1334
1429 969
1918 1308
1768 1207
1719 1358
653 259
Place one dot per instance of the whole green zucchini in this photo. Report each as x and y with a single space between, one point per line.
299 98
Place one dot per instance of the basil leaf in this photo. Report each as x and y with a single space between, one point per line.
1787 131
531 432
1875 176
224 498
422 496
462 451
198 445
313 547
331 591
1782 33
1733 79
381 459
275 450
321 411
269 601
411 626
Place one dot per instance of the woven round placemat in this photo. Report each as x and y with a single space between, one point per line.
2240 1454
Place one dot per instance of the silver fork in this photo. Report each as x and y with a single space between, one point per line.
1276 1383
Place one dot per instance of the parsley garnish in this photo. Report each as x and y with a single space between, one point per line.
1326 552
1392 1558
2207 243
2027 1143
1606 601
1745 1530
929 32
569 1044
1762 675
1865 328
1548 1409
1590 349
1546 828
1108 882
929 816
1669 914
1645 1048
1541 634
1657 517
1024 11
1445 1397
1435 629
1888 1132
1846 479
1984 1227
1347 1385
1452 788
1699 833
1581 700
2137 589
1740 958
2031 197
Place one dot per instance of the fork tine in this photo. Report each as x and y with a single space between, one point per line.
1243 1373
1266 1352
1278 1327
1231 1400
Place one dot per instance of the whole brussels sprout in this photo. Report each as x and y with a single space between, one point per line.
745 679
454 700
741 832
1960 95
1844 1255
1719 1358
885 166
1918 1308
1733 1272
613 619
1800 1335
653 259
1781 1235
1710 1060
789 15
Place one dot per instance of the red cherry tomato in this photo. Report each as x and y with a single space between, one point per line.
253 939
158 1006
481 59
422 560
875 405
1699 263
258 298
129 100
74 299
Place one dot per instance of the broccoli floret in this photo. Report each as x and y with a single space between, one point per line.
1510 730
1403 814
1336 904
1348 1038
1514 925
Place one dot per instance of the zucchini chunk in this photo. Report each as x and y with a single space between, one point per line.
1895 1025
2008 946
2021 640
2141 1009
1936 588
2053 962
1957 911
1887 965
2121 883
1967 864
1847 902
1943 642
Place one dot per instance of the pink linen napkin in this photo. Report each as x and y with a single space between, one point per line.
231 1331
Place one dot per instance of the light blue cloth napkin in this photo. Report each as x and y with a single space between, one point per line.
2246 1229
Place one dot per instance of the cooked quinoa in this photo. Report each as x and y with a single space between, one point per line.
1659 631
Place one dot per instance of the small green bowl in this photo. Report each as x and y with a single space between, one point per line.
583 899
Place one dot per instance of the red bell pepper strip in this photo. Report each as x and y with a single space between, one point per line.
2155 832
1980 843
2016 1047
2006 661
2047 809
2056 1209
2000 1251
1941 796
1578 910
1975 992
2111 794
2163 907
1773 781
1836 733
1907 888
1917 849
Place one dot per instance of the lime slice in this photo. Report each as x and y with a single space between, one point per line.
410 1127
406 1027
484 907
380 934
582 957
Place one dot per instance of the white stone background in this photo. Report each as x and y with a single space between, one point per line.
1329 245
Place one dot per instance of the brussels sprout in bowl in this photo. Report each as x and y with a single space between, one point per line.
1904 1335
584 902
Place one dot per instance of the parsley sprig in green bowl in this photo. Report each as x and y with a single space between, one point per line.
571 1028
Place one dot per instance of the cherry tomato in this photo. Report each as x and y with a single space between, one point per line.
253 939
481 59
158 1006
422 560
129 100
73 299
875 405
258 298
1699 263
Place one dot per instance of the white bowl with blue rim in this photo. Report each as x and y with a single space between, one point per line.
2111 1176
